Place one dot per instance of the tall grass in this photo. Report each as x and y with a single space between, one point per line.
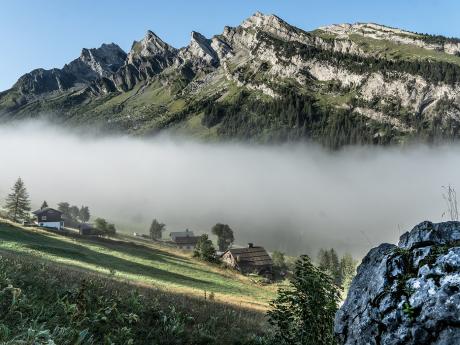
46 303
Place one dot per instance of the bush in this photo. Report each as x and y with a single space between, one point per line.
204 249
104 228
303 313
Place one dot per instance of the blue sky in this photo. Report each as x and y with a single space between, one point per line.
49 33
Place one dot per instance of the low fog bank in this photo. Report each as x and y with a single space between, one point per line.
294 198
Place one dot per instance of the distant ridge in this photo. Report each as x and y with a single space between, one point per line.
262 81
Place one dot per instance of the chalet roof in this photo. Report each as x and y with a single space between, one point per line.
46 210
181 233
191 240
254 256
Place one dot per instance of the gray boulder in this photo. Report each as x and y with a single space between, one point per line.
406 294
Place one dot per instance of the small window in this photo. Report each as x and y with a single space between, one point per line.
43 217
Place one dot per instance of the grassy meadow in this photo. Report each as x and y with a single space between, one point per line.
142 263
58 289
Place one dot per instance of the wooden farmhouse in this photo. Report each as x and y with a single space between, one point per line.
49 218
186 233
186 242
251 259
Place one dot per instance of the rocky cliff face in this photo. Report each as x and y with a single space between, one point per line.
406 294
383 85
91 65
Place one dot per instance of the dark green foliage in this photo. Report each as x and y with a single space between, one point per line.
347 270
279 261
224 235
73 215
204 249
156 230
104 228
341 270
44 205
303 313
293 116
74 212
84 214
328 261
438 39
45 304
64 207
434 71
17 203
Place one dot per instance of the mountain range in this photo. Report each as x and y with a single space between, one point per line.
262 81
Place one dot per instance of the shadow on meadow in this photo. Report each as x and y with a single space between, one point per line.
50 245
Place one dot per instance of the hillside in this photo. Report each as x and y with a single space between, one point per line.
140 263
44 268
262 81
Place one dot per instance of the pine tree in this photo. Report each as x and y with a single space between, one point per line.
17 202
44 205
303 313
204 249
156 230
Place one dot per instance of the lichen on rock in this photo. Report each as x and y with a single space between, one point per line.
406 294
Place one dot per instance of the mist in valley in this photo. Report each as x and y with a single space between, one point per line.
295 198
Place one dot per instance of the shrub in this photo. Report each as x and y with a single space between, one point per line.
204 249
303 313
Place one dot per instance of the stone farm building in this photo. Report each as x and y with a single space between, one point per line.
251 259
49 218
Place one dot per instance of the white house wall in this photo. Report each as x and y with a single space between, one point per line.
56 225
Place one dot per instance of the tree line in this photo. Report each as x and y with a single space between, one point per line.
431 70
293 116
17 206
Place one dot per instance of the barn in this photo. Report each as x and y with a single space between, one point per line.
252 259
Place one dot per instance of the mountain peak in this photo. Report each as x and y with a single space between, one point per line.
259 19
150 45
201 48
103 61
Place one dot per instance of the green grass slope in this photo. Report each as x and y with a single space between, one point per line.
143 264
58 289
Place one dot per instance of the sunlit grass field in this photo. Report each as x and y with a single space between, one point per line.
143 264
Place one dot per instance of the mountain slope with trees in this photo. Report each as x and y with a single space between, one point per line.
262 81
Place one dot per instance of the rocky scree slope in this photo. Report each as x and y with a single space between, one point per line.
406 294
264 80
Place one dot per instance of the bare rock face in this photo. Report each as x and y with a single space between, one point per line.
406 294
146 59
92 64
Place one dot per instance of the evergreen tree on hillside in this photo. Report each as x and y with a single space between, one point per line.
84 214
347 270
17 203
328 261
44 205
156 230
341 270
204 249
303 313
224 235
